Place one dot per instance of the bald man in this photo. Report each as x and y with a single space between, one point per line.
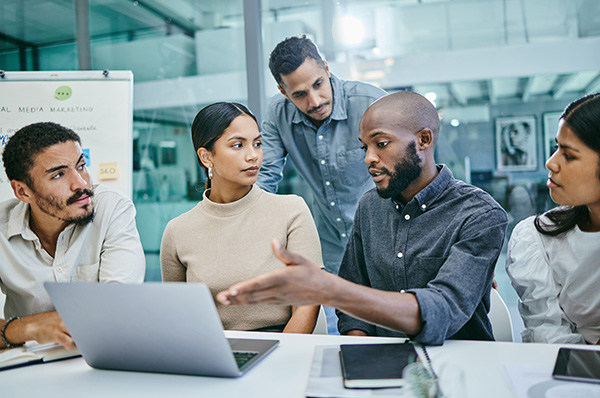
421 256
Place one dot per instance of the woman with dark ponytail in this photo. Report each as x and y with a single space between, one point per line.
554 258
227 237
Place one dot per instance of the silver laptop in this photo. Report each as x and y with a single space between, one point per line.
153 327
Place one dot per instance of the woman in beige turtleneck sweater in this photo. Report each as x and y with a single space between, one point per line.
226 238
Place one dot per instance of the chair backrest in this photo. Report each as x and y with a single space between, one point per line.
321 326
500 318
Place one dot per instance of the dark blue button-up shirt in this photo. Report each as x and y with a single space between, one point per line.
441 246
329 158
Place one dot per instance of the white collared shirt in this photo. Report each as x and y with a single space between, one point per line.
556 279
106 250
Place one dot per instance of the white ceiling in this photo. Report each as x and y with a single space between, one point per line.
400 30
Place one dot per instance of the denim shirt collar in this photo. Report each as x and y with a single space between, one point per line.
428 195
339 105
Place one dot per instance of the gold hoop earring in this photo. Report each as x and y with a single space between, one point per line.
210 173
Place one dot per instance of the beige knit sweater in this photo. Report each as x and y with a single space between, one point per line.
222 244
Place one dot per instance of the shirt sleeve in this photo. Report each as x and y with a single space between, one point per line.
353 268
302 235
172 270
531 275
122 258
274 154
449 301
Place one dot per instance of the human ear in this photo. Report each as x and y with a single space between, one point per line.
205 157
327 68
282 91
21 191
424 139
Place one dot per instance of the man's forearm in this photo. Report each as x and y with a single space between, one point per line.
9 335
46 327
393 310
304 283
16 332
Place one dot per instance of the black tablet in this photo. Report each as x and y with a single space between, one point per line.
577 365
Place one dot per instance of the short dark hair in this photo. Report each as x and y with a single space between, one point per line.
288 55
27 143
210 124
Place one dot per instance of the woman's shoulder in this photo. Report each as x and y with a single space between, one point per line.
525 236
188 218
525 229
525 247
284 206
282 200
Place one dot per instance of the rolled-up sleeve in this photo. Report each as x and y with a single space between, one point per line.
530 273
449 300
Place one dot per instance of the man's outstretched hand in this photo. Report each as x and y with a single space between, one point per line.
301 282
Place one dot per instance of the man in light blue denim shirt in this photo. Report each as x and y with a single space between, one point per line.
315 122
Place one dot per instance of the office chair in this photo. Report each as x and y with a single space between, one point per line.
500 318
321 326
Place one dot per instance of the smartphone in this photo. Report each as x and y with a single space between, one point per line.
577 365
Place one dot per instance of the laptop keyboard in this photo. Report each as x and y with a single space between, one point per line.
242 357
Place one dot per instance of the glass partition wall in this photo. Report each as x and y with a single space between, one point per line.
499 72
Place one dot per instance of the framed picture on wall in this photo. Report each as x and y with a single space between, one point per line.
516 143
550 129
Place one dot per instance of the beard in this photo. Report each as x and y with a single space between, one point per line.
405 172
52 206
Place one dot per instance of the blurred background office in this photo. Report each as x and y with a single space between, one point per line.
484 63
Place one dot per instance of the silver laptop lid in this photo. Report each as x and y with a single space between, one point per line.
153 327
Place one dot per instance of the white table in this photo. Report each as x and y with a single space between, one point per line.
283 373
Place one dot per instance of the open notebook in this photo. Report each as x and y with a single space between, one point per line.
34 353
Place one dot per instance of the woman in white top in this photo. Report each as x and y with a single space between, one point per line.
554 259
227 237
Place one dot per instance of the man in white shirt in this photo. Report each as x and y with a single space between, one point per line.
59 228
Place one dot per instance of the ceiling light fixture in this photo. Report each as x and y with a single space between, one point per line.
431 96
349 30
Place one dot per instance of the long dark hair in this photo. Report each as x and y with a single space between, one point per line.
210 123
583 118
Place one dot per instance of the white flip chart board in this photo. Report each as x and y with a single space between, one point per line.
97 105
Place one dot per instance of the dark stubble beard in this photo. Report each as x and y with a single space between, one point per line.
49 203
405 172
83 220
